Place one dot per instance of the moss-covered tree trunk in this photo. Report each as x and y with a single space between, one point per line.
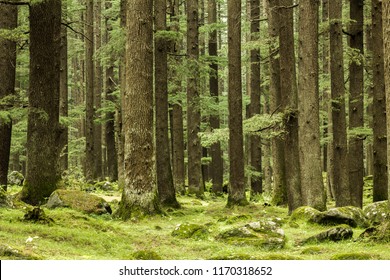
43 130
236 146
166 189
8 20
139 197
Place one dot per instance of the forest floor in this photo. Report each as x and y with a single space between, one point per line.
74 235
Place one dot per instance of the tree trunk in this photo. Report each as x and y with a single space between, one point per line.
255 141
379 105
98 89
194 148
89 87
139 197
339 143
236 146
313 193
43 129
8 20
356 104
288 88
64 95
279 183
166 189
386 44
215 150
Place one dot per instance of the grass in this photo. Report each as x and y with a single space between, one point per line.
78 236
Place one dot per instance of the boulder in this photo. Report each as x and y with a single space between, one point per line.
78 200
338 233
352 216
379 233
264 234
377 212
15 178
187 230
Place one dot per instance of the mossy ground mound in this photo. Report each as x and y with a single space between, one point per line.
194 231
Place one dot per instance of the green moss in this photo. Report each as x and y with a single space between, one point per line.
194 231
355 256
146 255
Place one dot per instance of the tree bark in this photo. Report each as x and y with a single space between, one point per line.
8 20
166 189
194 148
379 106
339 143
313 193
356 104
288 88
43 129
139 197
236 146
215 150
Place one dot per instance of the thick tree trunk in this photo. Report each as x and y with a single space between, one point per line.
43 129
236 146
216 165
313 193
288 88
166 189
194 148
8 20
339 143
139 197
356 104
379 105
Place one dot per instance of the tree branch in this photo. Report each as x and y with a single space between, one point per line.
14 2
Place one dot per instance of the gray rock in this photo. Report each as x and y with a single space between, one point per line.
15 178
334 234
377 212
264 234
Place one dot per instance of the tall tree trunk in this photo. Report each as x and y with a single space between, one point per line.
236 146
255 141
386 44
98 89
64 94
194 148
8 20
379 105
89 87
111 150
215 150
43 129
166 189
288 88
339 143
139 197
313 193
177 126
279 176
356 104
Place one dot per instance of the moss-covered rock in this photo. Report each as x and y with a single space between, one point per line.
263 234
78 200
146 255
379 233
335 234
305 214
15 178
195 231
377 212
